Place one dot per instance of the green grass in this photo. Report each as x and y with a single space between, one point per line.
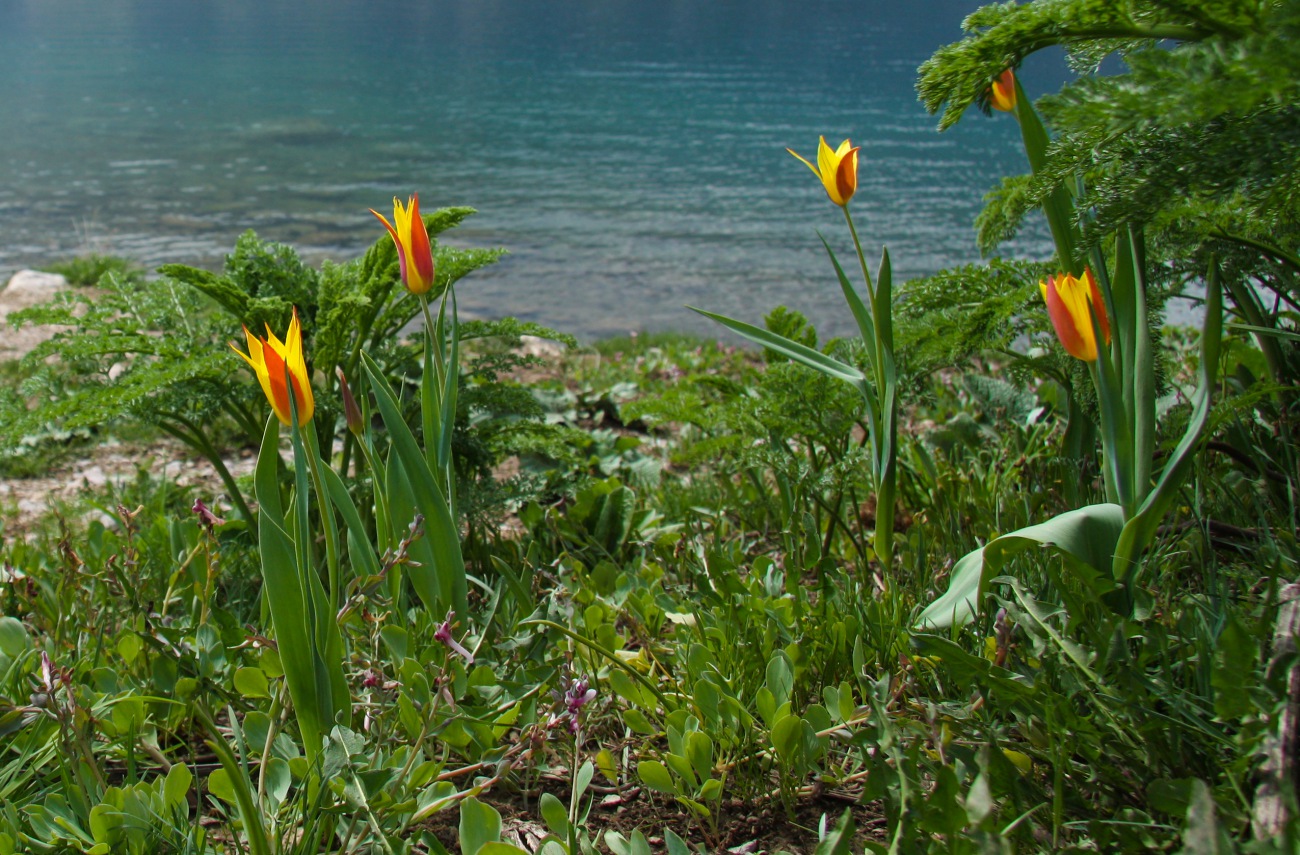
86 270
745 652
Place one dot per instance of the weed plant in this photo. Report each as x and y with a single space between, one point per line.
677 632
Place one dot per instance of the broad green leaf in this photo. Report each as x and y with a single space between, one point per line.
683 768
219 785
606 765
707 698
283 594
176 787
786 741
640 846
449 586
630 690
675 845
554 814
620 845
637 722
1170 795
278 779
780 677
13 637
967 669
585 773
312 660
1139 530
480 824
106 824
943 811
656 776
252 683
699 750
360 548
397 640
1087 535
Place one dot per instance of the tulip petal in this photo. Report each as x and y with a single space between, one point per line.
279 365
846 174
805 162
1103 322
397 240
1002 91
414 252
1071 304
421 252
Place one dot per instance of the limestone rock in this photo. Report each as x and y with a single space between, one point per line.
26 288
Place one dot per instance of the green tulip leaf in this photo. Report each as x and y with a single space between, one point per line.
801 353
1087 536
444 584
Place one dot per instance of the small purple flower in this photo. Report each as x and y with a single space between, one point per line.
48 673
443 634
576 696
206 518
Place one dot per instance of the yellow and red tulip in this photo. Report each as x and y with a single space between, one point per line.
279 366
414 253
1071 303
837 169
1002 92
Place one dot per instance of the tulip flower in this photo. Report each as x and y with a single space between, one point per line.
414 253
1071 303
279 365
837 169
1002 92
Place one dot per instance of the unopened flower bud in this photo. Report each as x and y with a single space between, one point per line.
351 412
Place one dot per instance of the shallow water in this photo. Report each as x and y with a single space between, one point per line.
629 153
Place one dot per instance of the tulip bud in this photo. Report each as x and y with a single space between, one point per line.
280 367
414 253
837 169
1071 303
351 412
1002 92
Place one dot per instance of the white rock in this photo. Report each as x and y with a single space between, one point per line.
34 284
94 476
531 345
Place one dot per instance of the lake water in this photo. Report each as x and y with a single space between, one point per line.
629 153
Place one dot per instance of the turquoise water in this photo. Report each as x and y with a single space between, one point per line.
630 155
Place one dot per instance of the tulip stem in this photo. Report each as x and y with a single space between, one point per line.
862 262
885 416
312 454
431 439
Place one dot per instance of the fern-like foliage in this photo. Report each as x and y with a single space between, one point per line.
945 320
1198 140
157 350
1001 35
